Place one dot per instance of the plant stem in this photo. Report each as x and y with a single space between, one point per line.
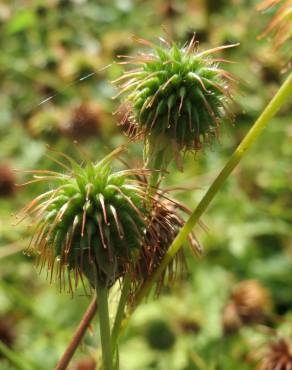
156 157
271 109
78 335
104 324
14 358
120 311
156 165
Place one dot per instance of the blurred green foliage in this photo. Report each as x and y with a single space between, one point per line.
47 50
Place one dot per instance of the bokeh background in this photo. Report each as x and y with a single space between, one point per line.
237 298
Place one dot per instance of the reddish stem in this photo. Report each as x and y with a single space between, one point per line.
78 335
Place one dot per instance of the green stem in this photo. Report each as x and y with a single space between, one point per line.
271 109
156 164
120 311
14 358
120 314
157 157
104 323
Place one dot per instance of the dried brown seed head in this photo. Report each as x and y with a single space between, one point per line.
278 356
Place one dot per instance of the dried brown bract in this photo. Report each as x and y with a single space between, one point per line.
165 223
278 356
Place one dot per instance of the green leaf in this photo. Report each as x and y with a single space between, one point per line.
20 22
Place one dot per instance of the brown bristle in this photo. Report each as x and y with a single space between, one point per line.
127 124
281 24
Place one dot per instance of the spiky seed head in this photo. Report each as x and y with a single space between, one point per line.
252 300
99 224
92 222
83 121
159 335
249 303
278 356
177 96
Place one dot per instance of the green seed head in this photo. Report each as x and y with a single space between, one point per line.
159 335
100 224
92 222
177 97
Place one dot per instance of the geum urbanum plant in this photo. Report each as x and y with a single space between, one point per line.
159 223
177 112
98 225
176 98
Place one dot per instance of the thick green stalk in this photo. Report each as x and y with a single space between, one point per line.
278 100
120 311
119 319
104 324
157 156
156 164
